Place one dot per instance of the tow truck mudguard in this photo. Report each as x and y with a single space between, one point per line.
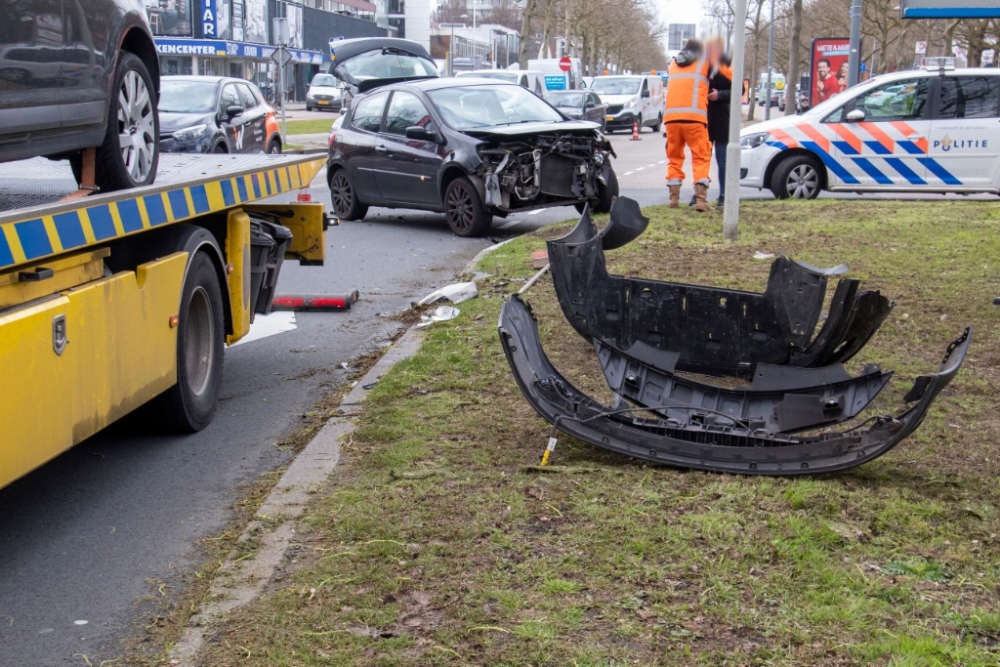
706 440
714 331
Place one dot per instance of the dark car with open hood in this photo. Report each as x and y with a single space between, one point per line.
470 148
79 81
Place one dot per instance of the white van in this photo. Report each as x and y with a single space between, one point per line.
533 80
775 88
631 99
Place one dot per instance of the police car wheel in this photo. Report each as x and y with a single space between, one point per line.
189 405
796 177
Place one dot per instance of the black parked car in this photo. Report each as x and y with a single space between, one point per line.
77 75
469 148
579 105
215 114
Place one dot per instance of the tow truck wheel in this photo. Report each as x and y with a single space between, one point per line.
464 209
796 177
189 405
345 199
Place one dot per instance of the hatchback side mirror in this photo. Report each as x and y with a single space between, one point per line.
233 111
422 134
855 116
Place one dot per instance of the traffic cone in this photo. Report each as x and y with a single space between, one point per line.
635 132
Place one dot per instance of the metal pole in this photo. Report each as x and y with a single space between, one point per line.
281 92
770 66
730 221
852 61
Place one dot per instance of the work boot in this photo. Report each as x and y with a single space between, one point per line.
721 203
701 198
675 196
694 200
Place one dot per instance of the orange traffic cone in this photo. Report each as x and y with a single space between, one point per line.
635 132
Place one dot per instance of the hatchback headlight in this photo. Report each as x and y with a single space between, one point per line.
752 141
190 133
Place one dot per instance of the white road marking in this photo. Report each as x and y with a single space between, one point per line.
651 165
639 168
662 162
628 173
536 212
263 326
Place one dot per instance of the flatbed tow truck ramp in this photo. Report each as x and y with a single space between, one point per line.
114 300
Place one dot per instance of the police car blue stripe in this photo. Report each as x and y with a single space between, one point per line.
101 222
907 173
241 187
128 211
777 144
878 148
69 229
6 256
155 209
34 239
910 148
845 148
227 192
938 170
200 199
178 203
872 171
830 163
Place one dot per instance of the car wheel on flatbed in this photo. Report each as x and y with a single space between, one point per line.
464 209
346 204
796 177
189 405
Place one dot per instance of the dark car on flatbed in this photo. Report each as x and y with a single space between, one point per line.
470 148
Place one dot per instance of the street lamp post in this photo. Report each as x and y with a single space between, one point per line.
730 221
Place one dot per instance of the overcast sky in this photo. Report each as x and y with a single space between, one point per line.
679 11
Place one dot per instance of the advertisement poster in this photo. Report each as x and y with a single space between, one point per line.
170 17
294 14
255 21
237 20
223 19
828 68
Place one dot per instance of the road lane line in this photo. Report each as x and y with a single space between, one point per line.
639 168
536 211
628 173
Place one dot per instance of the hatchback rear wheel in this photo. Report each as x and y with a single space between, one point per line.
346 205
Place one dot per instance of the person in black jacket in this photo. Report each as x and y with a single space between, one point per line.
720 88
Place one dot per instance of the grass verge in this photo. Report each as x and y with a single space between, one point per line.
438 543
320 125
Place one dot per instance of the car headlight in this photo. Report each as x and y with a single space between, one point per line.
752 141
631 104
190 133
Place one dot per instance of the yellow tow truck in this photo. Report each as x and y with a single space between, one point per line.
112 301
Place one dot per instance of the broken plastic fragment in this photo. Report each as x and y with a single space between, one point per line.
456 293
439 314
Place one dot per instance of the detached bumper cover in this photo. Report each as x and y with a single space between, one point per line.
706 440
713 331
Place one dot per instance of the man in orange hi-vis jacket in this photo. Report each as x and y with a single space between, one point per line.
686 118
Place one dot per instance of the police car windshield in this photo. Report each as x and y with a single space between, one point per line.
616 85
187 96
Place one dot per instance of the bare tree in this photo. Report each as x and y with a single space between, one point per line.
792 80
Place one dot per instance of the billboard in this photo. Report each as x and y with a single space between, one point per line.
255 21
949 9
828 68
294 14
237 20
170 17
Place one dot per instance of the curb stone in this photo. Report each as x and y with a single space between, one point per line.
242 581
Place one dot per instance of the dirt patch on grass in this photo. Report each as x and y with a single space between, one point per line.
440 543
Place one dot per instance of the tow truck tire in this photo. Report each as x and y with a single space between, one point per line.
189 405
464 209
346 205
132 112
796 177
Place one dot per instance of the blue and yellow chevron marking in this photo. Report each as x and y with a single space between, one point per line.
830 162
36 238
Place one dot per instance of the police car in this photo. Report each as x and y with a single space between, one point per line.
926 130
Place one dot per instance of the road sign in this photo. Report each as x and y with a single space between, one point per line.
565 64
921 49
949 9
281 56
863 67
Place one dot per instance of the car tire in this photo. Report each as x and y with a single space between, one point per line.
464 209
605 196
659 123
346 205
132 113
639 122
797 177
220 148
189 405
274 146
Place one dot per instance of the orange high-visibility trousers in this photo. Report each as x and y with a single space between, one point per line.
695 137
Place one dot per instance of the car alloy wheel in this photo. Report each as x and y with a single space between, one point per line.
342 194
461 209
802 182
136 133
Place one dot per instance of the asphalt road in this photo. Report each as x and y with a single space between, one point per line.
91 541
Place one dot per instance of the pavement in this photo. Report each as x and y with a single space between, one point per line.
92 543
